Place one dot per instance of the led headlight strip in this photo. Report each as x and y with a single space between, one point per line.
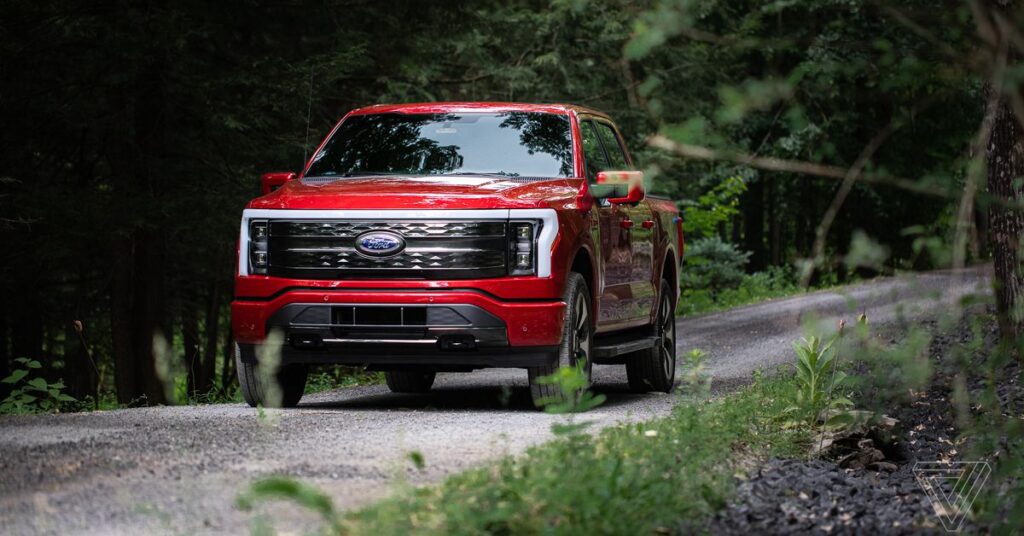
255 230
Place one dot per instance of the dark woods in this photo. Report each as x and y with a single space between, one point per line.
134 133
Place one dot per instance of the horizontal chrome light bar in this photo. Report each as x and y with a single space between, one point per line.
545 239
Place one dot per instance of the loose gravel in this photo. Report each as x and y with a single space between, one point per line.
178 469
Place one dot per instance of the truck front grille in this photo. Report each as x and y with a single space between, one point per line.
326 249
408 229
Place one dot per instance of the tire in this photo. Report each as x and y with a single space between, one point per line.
409 381
654 369
290 381
577 343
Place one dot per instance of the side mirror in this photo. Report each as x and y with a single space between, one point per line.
272 181
620 187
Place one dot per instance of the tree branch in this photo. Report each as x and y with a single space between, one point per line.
789 166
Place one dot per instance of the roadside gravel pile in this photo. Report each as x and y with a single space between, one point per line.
788 496
866 485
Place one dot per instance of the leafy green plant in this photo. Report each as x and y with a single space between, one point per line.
289 489
32 394
693 373
817 378
713 208
576 395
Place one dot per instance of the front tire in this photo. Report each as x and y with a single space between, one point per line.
409 381
654 369
576 347
281 389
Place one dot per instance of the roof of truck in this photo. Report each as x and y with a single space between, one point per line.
442 107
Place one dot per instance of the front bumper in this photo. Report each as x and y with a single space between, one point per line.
454 328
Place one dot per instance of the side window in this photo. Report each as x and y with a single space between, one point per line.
593 154
614 148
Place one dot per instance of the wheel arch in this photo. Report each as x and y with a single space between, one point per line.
670 271
583 264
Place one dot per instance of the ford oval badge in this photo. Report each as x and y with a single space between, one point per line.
379 244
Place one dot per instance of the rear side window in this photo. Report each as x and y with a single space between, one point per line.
592 151
616 153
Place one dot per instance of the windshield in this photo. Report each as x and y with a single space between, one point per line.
516 144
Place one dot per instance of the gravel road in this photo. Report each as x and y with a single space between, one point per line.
178 469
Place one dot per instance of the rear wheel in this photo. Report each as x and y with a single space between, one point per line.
576 347
409 381
282 388
654 369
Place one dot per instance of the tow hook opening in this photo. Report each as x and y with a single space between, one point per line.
457 342
306 340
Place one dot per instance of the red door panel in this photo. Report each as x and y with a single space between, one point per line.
617 296
642 285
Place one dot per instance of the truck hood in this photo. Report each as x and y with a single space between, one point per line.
451 193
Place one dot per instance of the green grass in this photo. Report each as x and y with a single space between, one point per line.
667 472
335 377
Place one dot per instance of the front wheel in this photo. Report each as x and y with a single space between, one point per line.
576 347
260 387
654 369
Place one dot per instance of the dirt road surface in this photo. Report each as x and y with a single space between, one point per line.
177 470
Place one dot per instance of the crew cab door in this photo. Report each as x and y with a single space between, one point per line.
641 232
616 253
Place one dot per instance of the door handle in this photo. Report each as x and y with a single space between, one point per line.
626 224
648 224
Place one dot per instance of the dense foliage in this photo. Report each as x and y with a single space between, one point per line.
135 133
713 265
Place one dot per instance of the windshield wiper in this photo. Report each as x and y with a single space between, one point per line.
349 174
480 174
366 173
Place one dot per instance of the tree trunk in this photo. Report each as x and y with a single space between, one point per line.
1005 158
211 332
78 376
137 316
149 314
138 309
227 375
803 235
753 218
5 358
190 338
981 231
774 225
121 324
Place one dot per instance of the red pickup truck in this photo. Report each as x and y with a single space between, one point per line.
449 237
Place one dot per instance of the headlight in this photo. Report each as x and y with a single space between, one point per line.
259 257
523 248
